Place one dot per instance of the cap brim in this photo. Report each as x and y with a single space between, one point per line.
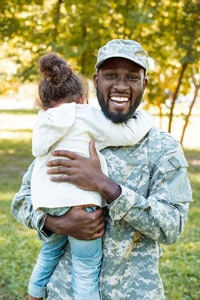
120 56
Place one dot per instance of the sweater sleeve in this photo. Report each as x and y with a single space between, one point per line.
130 132
106 133
51 126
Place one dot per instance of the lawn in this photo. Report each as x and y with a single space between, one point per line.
179 266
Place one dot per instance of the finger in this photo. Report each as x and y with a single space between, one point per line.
59 162
98 234
98 226
60 178
65 153
99 230
92 150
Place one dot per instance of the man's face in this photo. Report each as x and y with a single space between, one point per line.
120 85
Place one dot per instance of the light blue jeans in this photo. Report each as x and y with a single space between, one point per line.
86 263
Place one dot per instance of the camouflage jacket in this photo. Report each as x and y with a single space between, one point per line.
152 209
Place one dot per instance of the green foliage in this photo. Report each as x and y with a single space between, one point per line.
168 30
77 29
19 246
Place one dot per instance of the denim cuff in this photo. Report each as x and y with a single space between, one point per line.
36 291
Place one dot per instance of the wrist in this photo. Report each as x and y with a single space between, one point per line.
114 193
109 189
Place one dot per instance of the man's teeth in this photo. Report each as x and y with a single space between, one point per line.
119 99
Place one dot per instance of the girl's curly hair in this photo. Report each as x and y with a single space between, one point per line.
59 82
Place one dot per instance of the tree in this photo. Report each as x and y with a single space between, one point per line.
187 41
76 29
196 84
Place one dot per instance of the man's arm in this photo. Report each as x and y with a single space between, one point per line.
160 216
21 207
77 222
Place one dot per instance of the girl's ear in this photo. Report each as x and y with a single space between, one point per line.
80 101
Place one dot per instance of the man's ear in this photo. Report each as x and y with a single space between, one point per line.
95 79
145 83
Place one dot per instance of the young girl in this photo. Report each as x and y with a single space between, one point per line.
66 123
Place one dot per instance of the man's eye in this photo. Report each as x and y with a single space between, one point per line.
133 77
110 75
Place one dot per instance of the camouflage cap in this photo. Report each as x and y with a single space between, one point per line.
128 49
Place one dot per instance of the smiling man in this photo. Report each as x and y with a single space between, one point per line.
121 71
147 193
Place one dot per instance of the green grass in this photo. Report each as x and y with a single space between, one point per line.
18 245
179 266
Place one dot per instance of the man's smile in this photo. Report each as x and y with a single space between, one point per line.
119 101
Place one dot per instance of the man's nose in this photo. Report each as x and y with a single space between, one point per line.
121 85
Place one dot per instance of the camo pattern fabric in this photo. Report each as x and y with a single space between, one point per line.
151 210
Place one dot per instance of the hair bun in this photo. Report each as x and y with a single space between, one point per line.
54 69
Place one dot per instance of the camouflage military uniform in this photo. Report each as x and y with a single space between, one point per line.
151 209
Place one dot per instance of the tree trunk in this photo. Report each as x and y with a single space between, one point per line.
189 113
56 20
174 96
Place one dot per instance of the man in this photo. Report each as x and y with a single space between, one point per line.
147 193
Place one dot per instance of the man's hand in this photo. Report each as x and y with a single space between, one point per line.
77 223
83 172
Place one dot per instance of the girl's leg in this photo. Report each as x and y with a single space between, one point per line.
48 258
86 264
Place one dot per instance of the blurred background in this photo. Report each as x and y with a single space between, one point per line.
170 32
